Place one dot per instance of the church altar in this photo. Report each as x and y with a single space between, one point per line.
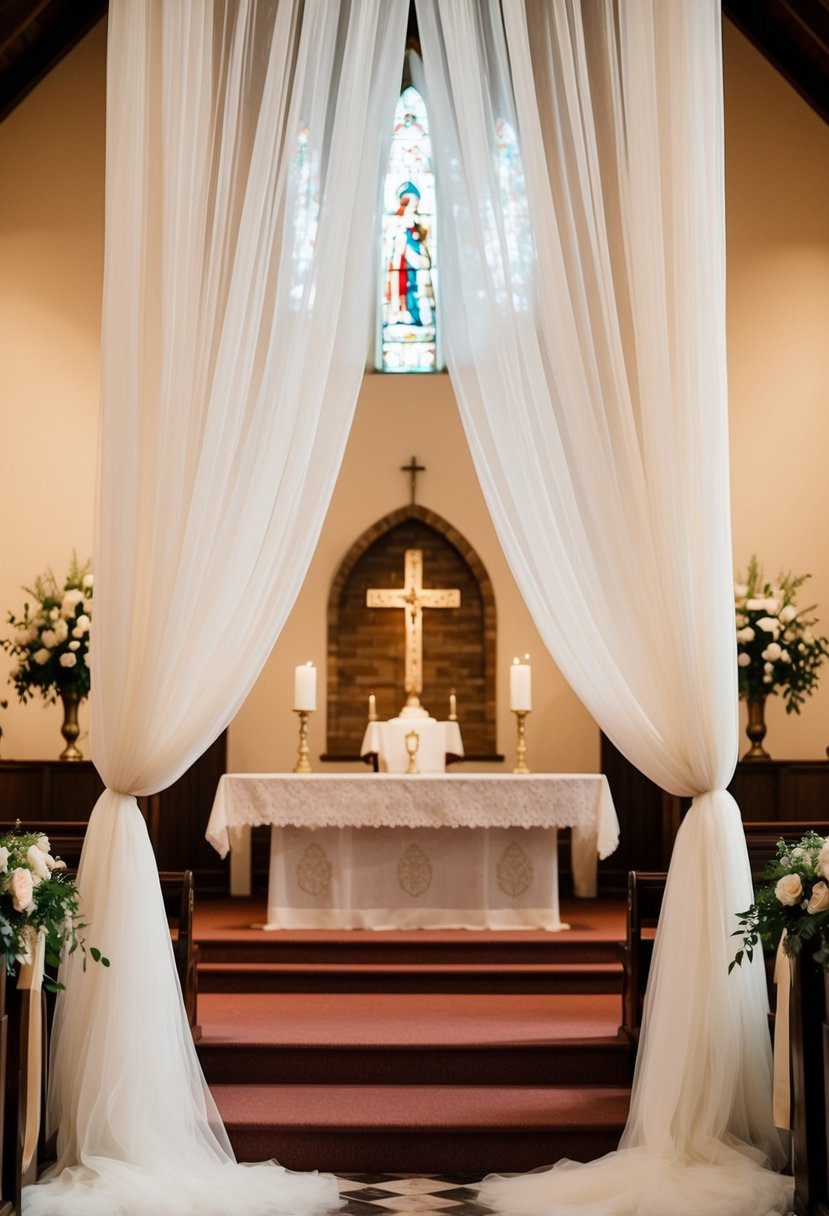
497 868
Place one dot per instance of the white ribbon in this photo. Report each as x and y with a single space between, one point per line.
782 1072
30 983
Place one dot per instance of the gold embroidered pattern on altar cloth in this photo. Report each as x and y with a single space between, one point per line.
414 871
514 870
313 871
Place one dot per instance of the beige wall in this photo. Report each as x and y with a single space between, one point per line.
777 199
51 217
51 259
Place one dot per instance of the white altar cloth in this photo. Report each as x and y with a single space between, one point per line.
437 740
328 872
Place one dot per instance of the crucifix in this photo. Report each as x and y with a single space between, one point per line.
414 468
413 597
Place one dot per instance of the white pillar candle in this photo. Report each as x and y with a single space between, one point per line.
520 685
453 706
372 707
305 687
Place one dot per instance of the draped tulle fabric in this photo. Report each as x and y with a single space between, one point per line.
244 145
578 150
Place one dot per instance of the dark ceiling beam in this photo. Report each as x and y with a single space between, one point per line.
794 36
36 39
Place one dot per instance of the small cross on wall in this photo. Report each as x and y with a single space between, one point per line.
414 468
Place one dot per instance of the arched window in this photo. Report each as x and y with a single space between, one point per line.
408 338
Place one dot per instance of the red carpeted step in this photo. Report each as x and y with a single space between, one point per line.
410 977
412 948
421 1128
428 1038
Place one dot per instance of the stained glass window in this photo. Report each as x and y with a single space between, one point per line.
408 337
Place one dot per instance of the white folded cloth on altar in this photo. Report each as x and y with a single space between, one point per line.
436 740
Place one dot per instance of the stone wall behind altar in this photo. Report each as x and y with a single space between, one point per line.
51 251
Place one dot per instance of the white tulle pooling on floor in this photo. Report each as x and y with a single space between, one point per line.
108 1188
634 1182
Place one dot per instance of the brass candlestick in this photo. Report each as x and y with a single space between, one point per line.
521 743
412 744
303 764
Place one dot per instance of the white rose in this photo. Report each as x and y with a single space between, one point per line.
785 657
88 580
746 635
21 887
41 656
4 859
54 614
756 605
83 622
787 614
49 638
35 859
42 843
61 630
743 660
740 590
768 668
820 899
772 606
767 679
769 625
772 652
808 637
77 632
68 660
73 646
789 890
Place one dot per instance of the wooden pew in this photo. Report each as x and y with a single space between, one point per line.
177 890
644 902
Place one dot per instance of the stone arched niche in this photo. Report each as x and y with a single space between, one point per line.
366 645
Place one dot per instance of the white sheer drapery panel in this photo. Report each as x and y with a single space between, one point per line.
241 173
588 357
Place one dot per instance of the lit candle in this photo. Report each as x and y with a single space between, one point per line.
453 707
372 708
520 685
305 687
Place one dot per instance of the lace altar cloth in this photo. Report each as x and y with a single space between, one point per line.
428 800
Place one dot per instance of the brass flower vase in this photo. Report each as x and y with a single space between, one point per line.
70 729
756 729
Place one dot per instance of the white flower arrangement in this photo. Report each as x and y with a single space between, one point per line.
51 638
777 650
794 897
37 896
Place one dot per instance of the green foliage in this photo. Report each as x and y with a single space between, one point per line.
777 651
37 896
793 897
51 638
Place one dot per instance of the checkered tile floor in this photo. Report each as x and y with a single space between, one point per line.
435 1195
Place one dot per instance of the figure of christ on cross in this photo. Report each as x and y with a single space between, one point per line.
413 597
